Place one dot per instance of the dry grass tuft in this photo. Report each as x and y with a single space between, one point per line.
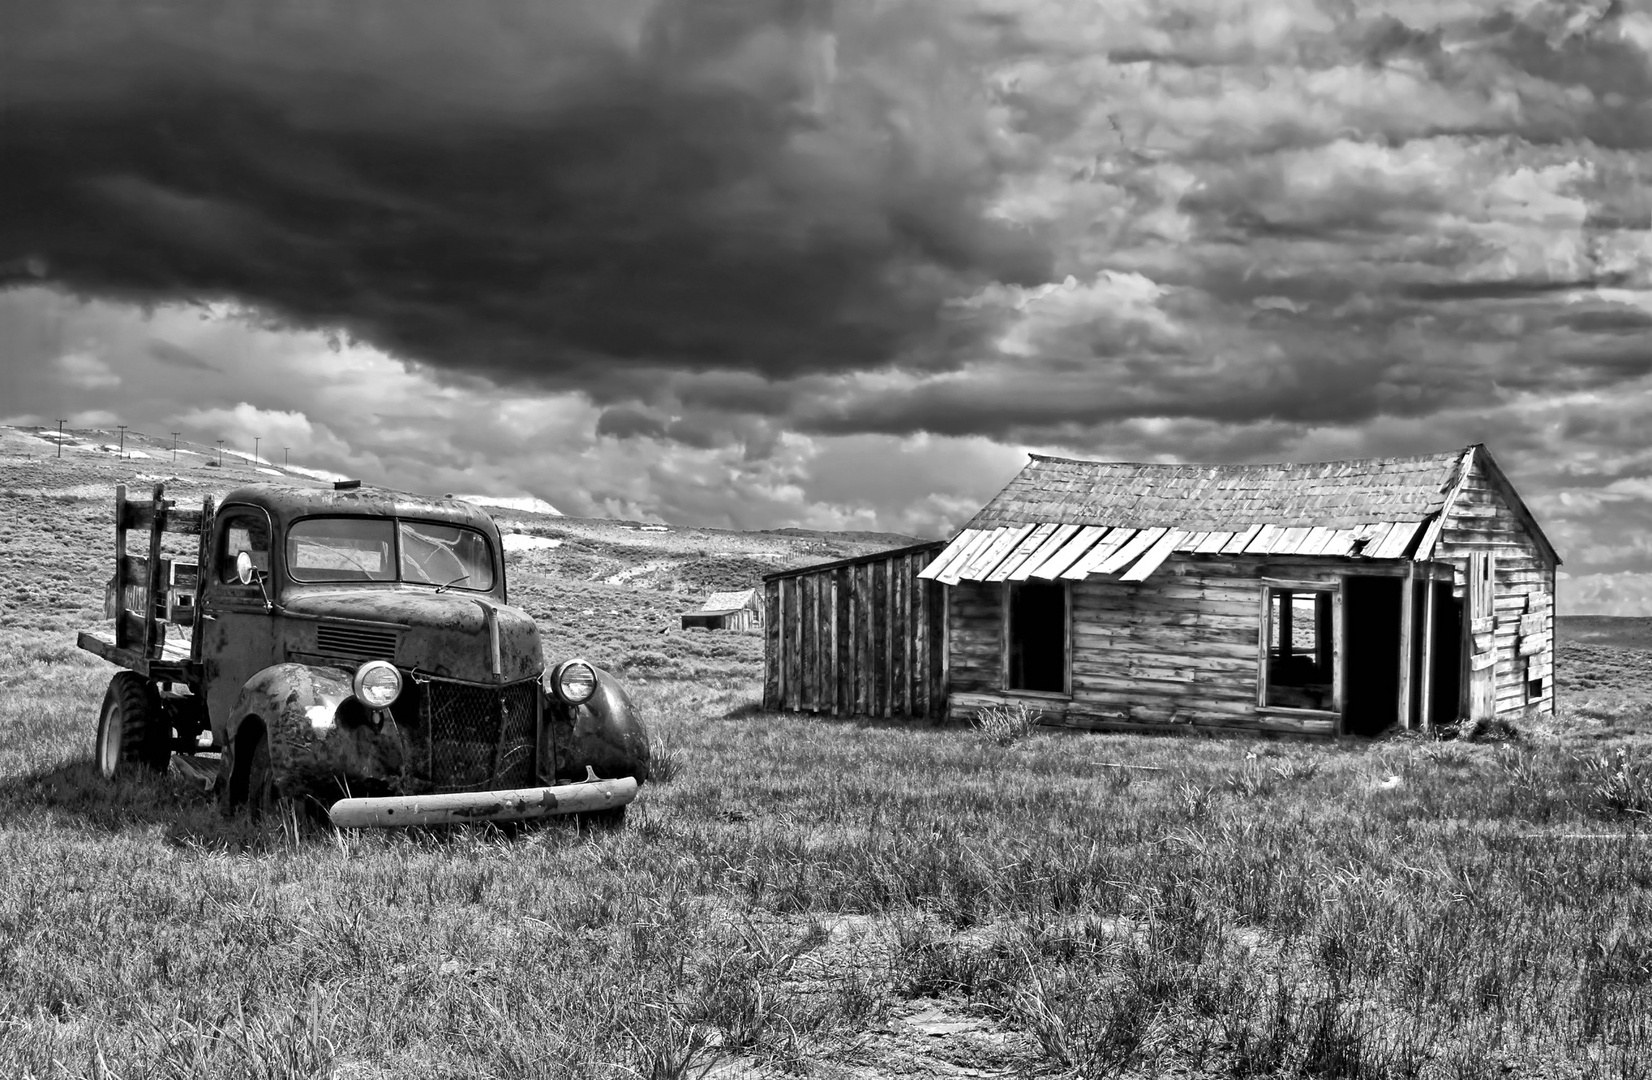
1005 725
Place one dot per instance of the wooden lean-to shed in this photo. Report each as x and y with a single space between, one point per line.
856 637
1330 598
727 611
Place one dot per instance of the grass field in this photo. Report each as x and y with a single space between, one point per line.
830 899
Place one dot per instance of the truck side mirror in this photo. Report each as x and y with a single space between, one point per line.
247 573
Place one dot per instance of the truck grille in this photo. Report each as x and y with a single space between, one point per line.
356 642
475 738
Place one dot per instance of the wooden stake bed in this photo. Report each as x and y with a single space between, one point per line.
141 587
173 664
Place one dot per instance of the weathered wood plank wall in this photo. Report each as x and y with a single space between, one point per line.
1177 651
1481 518
856 638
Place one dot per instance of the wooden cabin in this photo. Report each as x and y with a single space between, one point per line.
1332 598
727 611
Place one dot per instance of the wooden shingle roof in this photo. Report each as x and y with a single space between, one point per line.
1332 494
721 603
1067 520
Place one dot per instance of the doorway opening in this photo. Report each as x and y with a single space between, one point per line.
1371 648
1037 638
1446 689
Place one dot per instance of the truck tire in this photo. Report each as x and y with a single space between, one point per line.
134 735
251 785
261 794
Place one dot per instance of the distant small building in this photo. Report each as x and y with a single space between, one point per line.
727 611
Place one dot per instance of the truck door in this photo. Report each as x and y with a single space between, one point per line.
237 632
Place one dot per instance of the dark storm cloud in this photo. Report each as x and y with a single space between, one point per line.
1616 319
535 191
1496 290
174 356
630 424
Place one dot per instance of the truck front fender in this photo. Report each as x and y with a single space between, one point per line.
313 743
604 734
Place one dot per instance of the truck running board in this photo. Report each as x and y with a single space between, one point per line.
453 808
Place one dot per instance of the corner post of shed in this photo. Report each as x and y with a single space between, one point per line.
1427 703
1339 673
1408 641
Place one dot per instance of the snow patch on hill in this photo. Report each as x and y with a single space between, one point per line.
525 504
525 542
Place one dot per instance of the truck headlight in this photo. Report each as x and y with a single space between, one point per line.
574 681
377 684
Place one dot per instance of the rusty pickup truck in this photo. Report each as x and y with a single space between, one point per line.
352 647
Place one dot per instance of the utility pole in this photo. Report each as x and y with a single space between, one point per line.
220 453
122 440
175 435
60 438
284 450
255 440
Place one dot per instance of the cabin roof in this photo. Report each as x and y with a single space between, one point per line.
721 602
1330 494
1065 519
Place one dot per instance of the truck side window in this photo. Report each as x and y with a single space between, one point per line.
247 531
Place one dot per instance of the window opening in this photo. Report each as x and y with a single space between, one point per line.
341 549
1037 638
450 555
384 549
1300 671
247 531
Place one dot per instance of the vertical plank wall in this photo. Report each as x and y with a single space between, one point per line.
856 638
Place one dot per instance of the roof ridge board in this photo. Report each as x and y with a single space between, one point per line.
1434 457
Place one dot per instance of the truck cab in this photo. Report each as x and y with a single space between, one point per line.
355 647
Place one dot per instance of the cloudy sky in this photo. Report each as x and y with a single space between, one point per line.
793 262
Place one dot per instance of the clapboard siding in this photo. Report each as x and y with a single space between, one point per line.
1177 651
1485 515
855 638
975 637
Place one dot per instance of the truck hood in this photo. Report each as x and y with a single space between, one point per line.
448 635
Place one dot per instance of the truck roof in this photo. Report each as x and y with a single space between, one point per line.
286 503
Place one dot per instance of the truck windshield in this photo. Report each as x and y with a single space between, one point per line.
382 549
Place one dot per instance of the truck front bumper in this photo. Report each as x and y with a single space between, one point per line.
517 804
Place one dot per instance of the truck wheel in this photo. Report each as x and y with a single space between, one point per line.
252 787
133 732
260 780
